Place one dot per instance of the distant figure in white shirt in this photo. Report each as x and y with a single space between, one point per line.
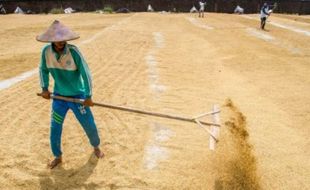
150 8
264 13
202 5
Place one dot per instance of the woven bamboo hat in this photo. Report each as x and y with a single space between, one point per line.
57 32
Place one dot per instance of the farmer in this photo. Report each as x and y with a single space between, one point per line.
72 79
202 8
264 13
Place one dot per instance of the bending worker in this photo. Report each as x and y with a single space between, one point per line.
72 79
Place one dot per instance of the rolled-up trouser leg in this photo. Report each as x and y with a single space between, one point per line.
59 111
86 119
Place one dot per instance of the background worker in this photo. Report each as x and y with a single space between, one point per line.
264 13
202 5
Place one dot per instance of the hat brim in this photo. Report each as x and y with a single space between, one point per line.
57 32
40 38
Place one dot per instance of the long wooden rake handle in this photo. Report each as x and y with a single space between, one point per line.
134 110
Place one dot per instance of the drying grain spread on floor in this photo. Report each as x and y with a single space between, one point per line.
173 64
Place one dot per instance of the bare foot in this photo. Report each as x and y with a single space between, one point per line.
55 162
98 153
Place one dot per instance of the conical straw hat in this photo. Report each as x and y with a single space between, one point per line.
57 32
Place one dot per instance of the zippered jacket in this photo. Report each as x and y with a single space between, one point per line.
69 70
264 12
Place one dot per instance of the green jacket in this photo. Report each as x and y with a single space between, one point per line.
69 70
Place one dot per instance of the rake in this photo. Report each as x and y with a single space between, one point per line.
213 132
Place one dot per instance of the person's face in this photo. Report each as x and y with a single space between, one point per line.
59 45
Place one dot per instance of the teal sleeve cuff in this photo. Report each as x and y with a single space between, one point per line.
44 89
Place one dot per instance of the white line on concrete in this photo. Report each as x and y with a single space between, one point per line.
154 152
197 23
260 34
152 63
103 31
162 134
305 32
159 39
9 82
158 88
150 60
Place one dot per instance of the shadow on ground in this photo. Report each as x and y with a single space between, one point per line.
60 178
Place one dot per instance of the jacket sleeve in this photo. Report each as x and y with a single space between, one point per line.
84 70
43 72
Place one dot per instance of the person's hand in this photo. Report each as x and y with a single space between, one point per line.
88 102
46 94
